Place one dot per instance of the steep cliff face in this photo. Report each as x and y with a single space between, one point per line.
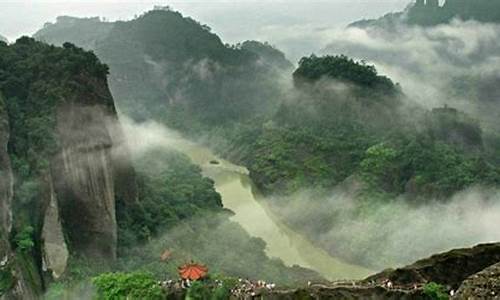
84 180
61 140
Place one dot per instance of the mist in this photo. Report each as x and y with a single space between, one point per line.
453 64
396 233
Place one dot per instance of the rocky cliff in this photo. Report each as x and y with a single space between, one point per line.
448 268
61 140
482 285
84 180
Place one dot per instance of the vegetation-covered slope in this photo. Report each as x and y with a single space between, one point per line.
345 122
165 66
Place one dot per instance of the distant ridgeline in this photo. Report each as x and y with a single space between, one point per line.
2 38
430 13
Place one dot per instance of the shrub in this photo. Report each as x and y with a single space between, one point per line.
24 239
127 286
435 291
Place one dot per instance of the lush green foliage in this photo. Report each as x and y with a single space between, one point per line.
171 189
127 286
212 82
6 279
341 68
435 291
24 240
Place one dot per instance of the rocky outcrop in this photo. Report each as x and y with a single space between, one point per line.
83 173
55 252
482 285
449 269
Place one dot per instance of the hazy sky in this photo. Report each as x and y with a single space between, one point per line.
233 20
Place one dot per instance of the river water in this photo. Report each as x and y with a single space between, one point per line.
240 195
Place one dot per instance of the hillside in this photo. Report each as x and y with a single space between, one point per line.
164 65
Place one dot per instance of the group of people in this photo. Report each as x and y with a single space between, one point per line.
246 287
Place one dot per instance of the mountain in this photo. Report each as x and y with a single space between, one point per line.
431 13
3 39
164 65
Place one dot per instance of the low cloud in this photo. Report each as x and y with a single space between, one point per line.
454 64
395 233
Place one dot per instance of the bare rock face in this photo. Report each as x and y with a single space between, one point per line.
449 268
55 252
83 173
482 285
